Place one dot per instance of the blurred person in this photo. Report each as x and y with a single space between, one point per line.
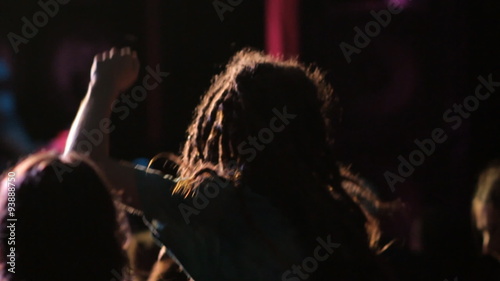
280 200
486 221
65 228
166 269
486 209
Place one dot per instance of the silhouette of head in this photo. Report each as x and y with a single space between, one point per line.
66 224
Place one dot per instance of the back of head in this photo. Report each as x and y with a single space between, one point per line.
267 124
66 225
252 109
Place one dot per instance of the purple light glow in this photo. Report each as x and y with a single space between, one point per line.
401 3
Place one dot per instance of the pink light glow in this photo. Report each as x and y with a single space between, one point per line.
400 3
282 27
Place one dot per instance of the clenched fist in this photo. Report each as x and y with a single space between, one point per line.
116 69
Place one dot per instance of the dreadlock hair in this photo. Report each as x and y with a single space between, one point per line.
295 169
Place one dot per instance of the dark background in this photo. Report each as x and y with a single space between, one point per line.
395 91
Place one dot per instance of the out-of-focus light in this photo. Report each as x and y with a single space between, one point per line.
4 70
400 3
7 102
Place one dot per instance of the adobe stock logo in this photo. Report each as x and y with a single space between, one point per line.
310 264
221 7
454 118
247 150
122 106
40 19
372 29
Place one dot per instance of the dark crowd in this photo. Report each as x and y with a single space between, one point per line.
249 140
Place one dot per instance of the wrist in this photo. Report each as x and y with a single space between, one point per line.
102 90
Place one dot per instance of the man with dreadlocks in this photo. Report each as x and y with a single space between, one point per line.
259 195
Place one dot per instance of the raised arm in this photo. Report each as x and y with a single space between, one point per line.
112 73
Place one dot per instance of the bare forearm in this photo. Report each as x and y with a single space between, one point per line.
112 72
89 133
